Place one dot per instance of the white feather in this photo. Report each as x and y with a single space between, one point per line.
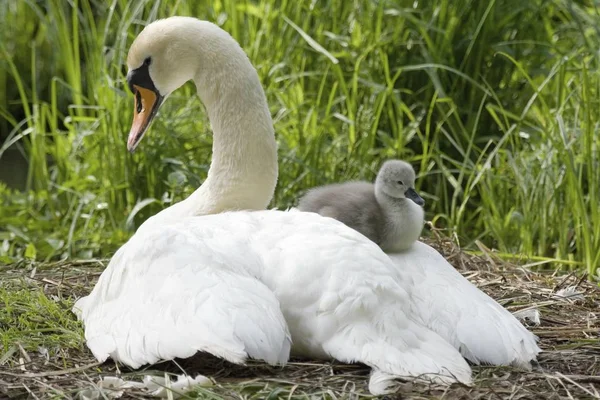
483 330
569 293
163 296
528 314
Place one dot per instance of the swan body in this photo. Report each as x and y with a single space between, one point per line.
339 296
199 276
388 212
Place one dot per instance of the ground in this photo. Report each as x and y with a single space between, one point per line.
42 353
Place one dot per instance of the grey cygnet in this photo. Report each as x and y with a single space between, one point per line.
389 212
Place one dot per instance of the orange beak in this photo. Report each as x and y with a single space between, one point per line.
146 105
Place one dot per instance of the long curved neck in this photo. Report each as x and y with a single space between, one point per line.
243 170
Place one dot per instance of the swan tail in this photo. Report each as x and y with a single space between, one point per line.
398 348
506 340
480 328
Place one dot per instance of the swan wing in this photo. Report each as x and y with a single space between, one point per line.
343 299
164 295
483 330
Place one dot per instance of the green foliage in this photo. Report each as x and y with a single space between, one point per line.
495 103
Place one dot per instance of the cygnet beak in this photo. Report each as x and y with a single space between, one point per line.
414 196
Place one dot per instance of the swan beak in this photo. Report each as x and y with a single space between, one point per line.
414 196
147 102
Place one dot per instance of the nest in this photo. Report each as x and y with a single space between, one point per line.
560 309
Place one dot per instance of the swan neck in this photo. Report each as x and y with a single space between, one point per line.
243 170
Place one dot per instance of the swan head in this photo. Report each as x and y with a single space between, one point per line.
166 54
396 179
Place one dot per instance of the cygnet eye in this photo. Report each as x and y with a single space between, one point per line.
400 182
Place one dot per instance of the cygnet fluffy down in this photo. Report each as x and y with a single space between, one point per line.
389 212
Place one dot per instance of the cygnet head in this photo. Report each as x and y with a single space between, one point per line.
167 54
397 179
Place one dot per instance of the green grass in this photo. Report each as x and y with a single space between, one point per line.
35 312
496 104
32 320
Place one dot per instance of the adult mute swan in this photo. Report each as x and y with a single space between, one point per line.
247 283
388 212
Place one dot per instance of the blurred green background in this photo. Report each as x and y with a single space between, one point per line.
494 103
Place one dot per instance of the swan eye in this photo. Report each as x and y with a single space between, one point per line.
400 182
148 61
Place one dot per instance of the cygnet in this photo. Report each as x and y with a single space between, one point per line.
389 212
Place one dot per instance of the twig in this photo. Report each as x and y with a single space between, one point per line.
552 332
569 379
52 373
581 378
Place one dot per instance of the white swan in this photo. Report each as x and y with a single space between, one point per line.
239 284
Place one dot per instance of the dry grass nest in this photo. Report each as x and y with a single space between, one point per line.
561 309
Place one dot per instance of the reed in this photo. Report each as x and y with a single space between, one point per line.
495 103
